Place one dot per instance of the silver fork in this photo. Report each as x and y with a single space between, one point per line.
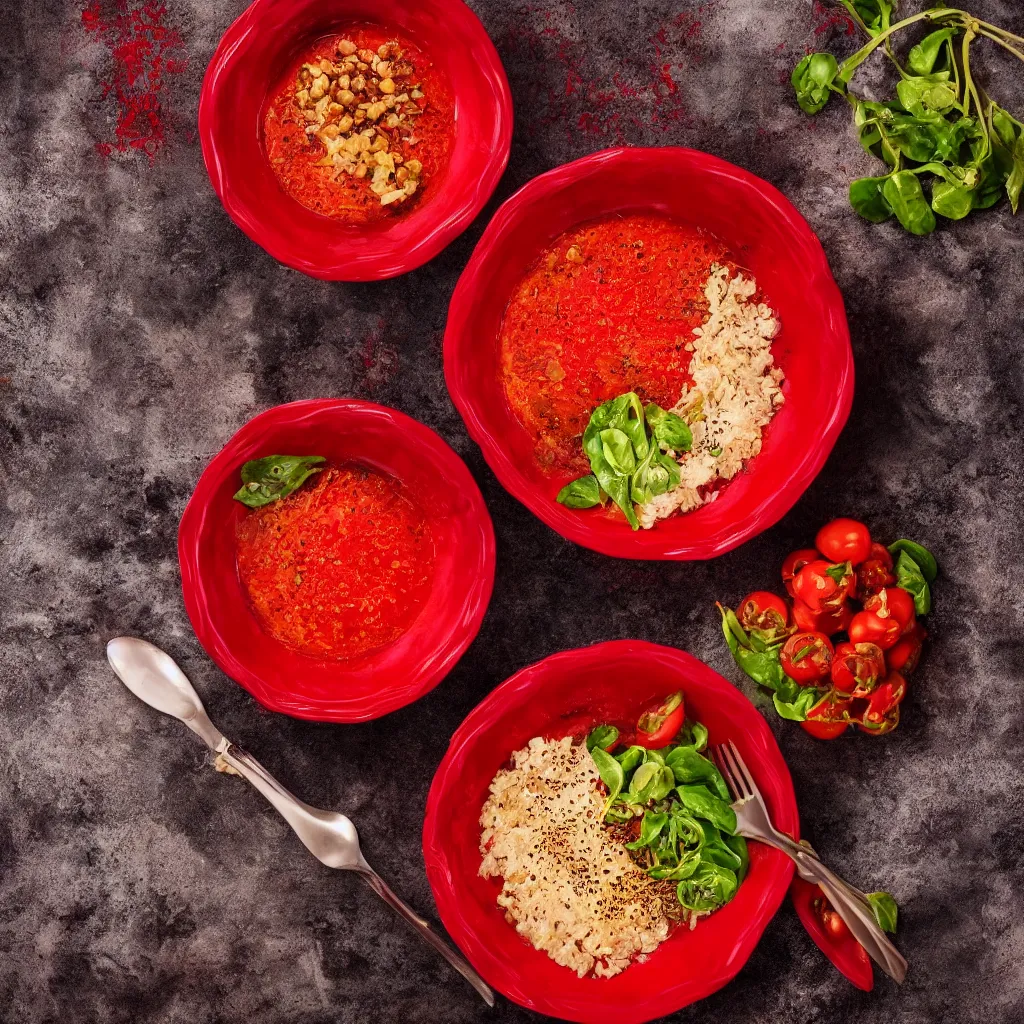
753 822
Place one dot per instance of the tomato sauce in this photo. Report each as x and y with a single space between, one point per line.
608 308
339 568
295 157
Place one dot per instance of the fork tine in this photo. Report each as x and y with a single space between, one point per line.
747 777
729 753
719 761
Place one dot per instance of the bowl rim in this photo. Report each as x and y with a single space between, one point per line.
490 711
390 261
574 527
197 606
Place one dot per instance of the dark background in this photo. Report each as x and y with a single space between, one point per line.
140 329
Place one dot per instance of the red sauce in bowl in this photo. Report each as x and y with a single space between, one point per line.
296 158
339 568
607 308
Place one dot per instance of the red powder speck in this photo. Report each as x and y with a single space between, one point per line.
143 51
829 18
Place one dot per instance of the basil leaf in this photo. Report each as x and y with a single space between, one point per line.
668 428
611 774
604 736
719 853
903 193
709 887
688 864
582 493
951 202
618 451
626 413
796 710
276 476
1015 181
867 199
643 782
883 906
920 554
812 79
738 845
663 785
653 477
910 578
689 766
874 14
697 734
631 757
924 56
703 804
688 829
924 94
650 829
613 484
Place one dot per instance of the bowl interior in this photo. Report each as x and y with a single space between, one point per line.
434 476
249 67
767 237
567 694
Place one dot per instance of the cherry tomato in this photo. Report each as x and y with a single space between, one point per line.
806 657
894 602
857 668
845 952
906 653
875 572
835 926
869 628
824 730
823 586
765 612
657 727
883 702
794 563
829 623
887 724
844 540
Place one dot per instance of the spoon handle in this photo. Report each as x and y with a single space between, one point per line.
382 889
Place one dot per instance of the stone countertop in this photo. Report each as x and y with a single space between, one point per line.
139 329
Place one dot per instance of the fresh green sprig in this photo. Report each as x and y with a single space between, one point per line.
687 828
276 476
949 147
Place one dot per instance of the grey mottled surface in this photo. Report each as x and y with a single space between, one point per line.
140 329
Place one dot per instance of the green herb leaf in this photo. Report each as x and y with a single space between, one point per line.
650 829
738 845
950 201
920 554
689 766
701 803
618 451
709 887
1015 181
668 428
883 906
910 578
644 781
695 735
614 484
688 863
604 736
718 853
812 79
276 476
839 572
925 95
582 493
925 55
796 710
867 199
874 15
903 193
630 758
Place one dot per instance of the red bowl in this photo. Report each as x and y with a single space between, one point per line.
766 234
250 61
565 694
342 430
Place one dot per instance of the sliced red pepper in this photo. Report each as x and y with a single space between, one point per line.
848 956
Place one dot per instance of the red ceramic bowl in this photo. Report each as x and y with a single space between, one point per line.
566 694
766 234
344 431
250 61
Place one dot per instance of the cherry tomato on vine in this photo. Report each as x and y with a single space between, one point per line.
828 718
835 926
794 563
763 611
657 727
844 540
829 623
903 656
869 628
894 602
824 730
875 573
882 714
823 586
857 668
887 724
806 657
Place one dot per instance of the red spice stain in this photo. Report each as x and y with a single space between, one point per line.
643 93
376 362
829 22
832 18
143 51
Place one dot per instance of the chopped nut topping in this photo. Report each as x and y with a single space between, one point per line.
340 99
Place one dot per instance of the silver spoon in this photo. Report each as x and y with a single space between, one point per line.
154 677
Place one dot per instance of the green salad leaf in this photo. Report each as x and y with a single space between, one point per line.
910 578
604 736
883 906
921 555
275 476
584 492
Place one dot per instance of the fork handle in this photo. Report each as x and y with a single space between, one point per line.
855 913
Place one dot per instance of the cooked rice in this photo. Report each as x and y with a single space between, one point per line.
568 887
735 377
